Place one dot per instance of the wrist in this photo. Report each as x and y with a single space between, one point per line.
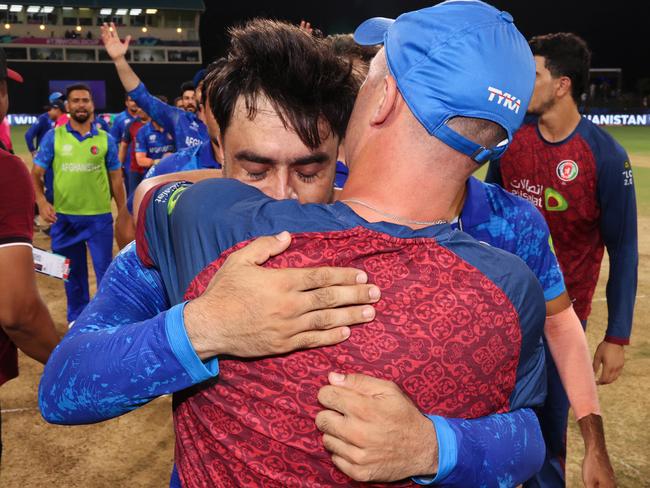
593 434
427 464
196 318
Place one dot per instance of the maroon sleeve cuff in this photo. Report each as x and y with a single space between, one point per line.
617 340
141 243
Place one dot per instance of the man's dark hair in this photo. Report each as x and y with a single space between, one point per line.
211 73
162 98
77 86
299 74
565 54
344 45
188 85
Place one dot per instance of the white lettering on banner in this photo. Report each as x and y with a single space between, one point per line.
619 119
505 99
21 119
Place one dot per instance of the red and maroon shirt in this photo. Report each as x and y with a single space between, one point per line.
584 187
16 229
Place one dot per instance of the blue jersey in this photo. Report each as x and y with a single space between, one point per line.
101 124
341 175
189 159
120 123
506 221
188 246
37 131
186 127
153 142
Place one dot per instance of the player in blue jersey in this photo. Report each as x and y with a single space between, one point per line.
120 123
111 408
187 127
152 143
45 123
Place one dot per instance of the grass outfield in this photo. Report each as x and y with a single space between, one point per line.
136 450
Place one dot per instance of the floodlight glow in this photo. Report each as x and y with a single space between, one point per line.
78 28
33 9
47 10
68 8
135 11
144 29
16 8
4 6
179 30
151 11
105 11
7 26
121 11
42 27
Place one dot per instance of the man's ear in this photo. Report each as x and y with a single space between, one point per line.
219 150
387 102
564 86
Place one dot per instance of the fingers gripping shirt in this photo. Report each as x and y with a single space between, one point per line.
441 270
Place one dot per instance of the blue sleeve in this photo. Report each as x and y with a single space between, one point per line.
166 115
618 226
35 130
103 125
141 141
499 450
112 161
45 154
123 351
116 129
126 133
494 173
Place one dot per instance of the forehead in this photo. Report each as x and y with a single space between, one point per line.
80 93
266 135
188 93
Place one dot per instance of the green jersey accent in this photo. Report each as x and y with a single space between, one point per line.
81 182
554 201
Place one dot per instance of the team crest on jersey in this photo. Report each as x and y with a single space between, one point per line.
567 170
94 150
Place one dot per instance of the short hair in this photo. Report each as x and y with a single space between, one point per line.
211 73
77 86
565 54
302 78
345 45
177 99
481 131
188 85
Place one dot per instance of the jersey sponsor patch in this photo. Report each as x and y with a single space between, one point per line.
173 199
567 170
554 201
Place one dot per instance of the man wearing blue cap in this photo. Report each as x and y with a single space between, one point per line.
187 126
384 223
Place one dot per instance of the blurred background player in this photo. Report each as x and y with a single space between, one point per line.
86 174
25 321
580 178
186 125
152 143
121 121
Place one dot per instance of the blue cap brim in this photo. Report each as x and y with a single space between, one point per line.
372 31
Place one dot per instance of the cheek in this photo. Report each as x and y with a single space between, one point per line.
316 192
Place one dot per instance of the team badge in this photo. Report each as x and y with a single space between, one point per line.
94 150
567 170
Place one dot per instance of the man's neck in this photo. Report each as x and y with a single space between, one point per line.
559 122
81 128
395 188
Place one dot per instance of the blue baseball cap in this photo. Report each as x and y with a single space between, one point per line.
460 58
55 96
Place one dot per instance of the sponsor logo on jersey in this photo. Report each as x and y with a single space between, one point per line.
504 99
554 201
94 150
66 150
152 137
528 190
173 199
567 170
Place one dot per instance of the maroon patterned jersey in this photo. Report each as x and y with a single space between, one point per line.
444 332
584 188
